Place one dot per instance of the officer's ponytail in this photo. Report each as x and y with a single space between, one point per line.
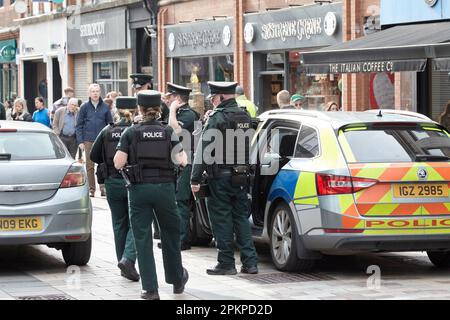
152 113
127 114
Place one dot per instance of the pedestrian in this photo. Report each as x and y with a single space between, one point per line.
8 109
69 93
444 118
102 153
2 112
332 106
64 125
227 180
298 101
284 100
182 117
244 103
152 149
93 116
41 115
20 111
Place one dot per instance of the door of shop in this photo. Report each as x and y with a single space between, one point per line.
35 75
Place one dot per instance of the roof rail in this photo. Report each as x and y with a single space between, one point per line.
305 113
401 112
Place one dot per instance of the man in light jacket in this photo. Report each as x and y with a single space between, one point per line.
65 123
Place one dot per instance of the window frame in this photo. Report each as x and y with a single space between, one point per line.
319 142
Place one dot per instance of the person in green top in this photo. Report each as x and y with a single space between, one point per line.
103 152
182 119
228 202
148 152
244 103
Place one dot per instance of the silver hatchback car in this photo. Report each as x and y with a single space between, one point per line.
44 197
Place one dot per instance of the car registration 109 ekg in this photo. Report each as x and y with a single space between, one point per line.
421 190
20 224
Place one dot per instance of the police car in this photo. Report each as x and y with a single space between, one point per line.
343 182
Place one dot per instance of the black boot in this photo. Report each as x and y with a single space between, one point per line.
179 287
150 295
128 270
219 270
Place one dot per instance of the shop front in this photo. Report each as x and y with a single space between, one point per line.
408 62
277 40
8 66
43 61
200 52
100 50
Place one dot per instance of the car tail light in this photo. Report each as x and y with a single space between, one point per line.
75 177
331 184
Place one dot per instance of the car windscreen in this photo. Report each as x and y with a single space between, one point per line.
391 144
31 145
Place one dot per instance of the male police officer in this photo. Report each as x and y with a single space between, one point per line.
141 82
228 181
182 117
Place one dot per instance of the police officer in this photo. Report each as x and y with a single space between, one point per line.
150 149
103 151
145 82
228 180
182 117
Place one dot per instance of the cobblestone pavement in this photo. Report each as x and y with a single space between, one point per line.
38 272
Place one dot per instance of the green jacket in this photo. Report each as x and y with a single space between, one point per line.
252 109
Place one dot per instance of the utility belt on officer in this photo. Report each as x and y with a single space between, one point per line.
138 174
104 171
241 175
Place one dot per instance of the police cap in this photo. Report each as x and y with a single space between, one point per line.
140 79
173 88
149 99
126 102
222 87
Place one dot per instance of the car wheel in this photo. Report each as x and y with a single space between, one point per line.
284 240
77 253
440 259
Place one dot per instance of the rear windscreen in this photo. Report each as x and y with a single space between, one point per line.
394 145
31 146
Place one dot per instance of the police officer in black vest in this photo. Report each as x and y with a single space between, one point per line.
182 119
228 178
103 152
148 152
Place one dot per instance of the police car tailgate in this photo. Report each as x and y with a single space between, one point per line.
408 174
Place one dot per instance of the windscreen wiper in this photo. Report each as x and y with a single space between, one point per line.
430 157
5 156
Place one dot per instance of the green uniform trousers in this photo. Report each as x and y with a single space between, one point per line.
183 198
228 213
144 199
117 197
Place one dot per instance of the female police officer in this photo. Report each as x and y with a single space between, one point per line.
103 151
150 149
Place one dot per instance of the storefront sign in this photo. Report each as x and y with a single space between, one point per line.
362 67
7 51
94 34
200 38
304 27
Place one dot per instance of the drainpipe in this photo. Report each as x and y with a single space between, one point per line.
152 7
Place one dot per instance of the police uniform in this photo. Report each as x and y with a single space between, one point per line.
103 151
149 146
186 118
227 203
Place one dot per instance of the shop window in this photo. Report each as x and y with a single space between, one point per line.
318 89
196 72
440 94
112 76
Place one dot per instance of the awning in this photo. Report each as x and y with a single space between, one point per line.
400 48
